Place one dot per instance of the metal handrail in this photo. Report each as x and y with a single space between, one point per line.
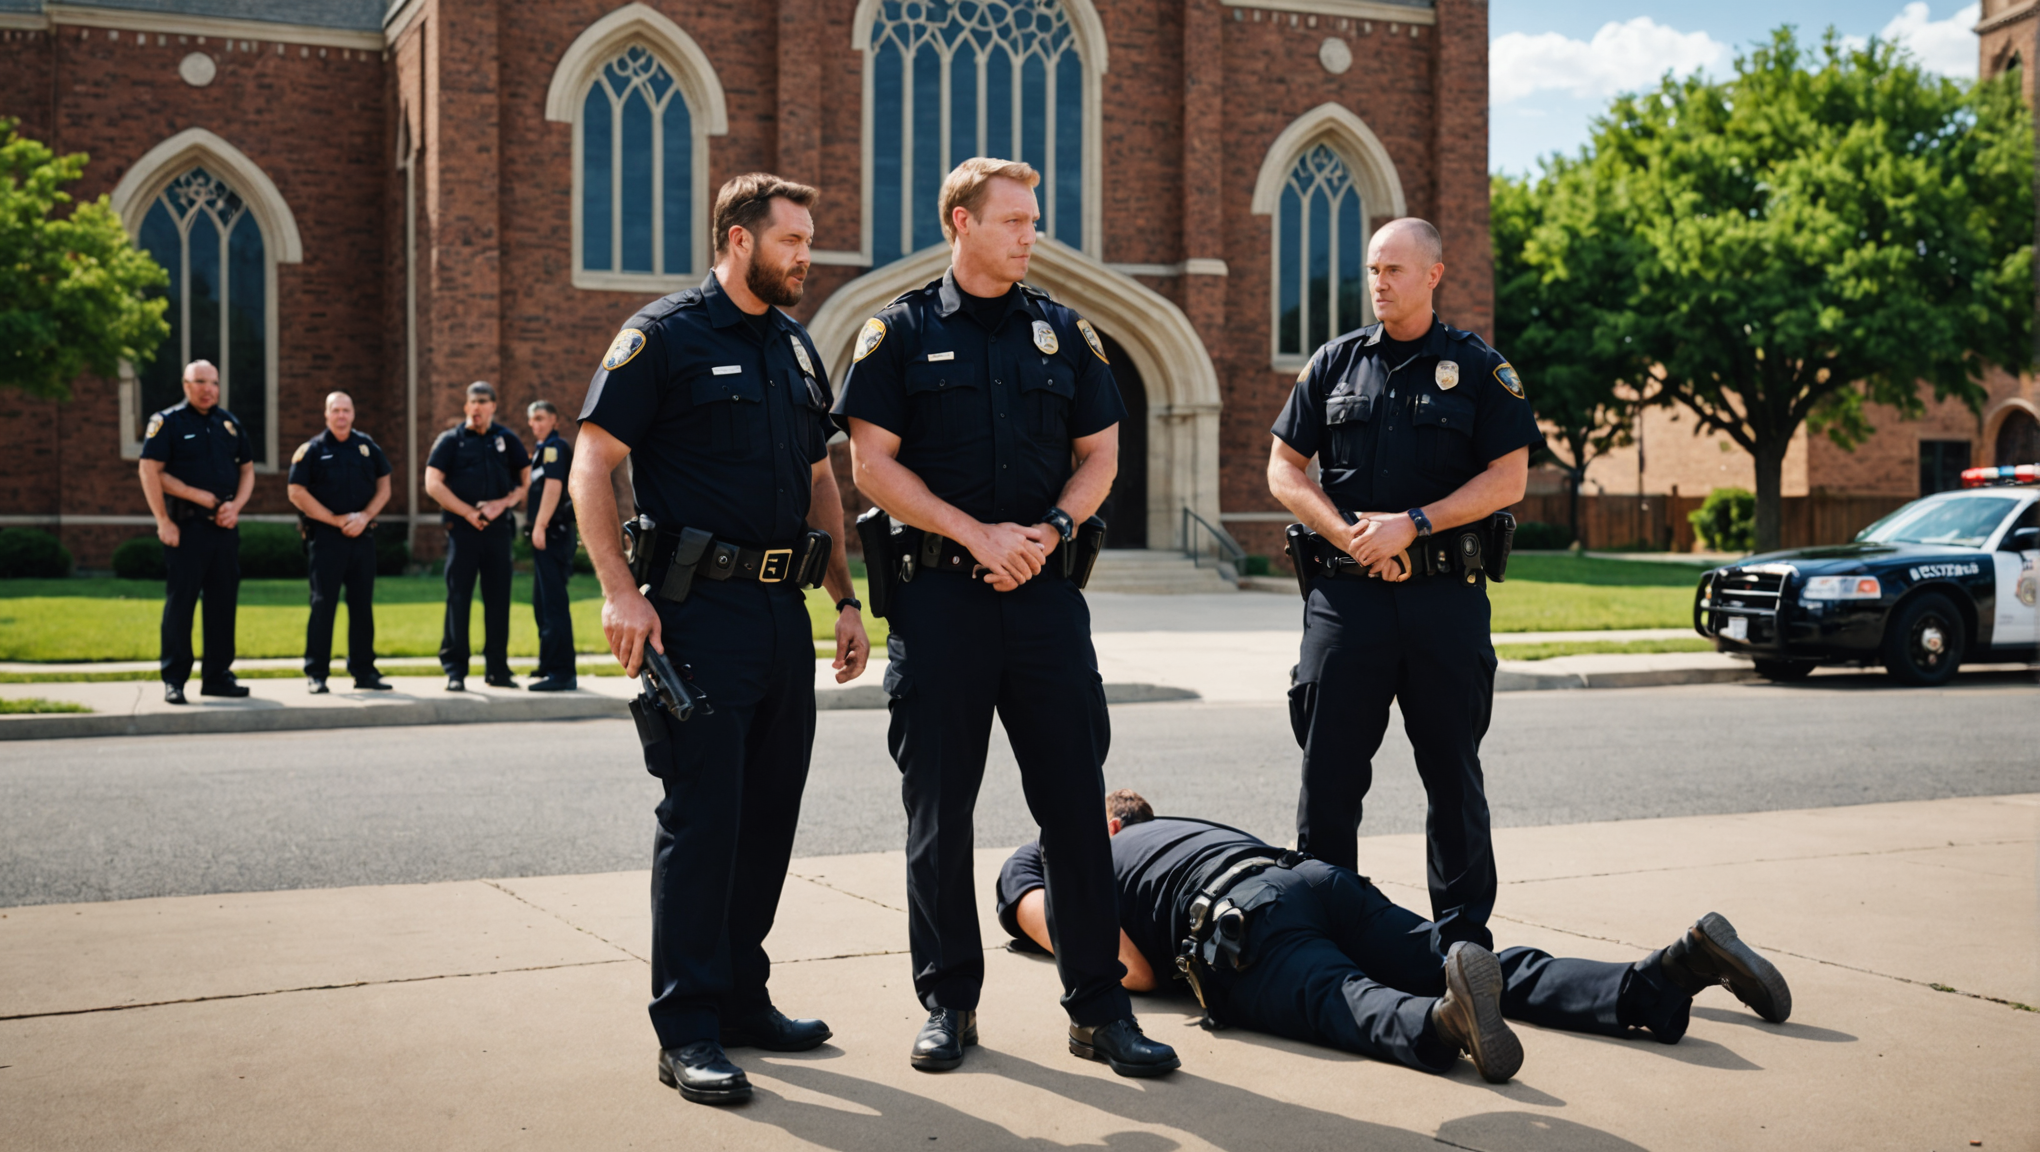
1227 547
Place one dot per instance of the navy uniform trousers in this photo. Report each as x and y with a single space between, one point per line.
485 553
550 568
338 562
1423 644
1333 961
733 784
206 562
960 651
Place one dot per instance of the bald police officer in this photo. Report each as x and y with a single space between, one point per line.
967 401
478 472
198 471
1421 433
339 481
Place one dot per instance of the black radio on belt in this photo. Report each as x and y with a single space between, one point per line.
1460 553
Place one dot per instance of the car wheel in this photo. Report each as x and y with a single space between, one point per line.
1923 643
1784 671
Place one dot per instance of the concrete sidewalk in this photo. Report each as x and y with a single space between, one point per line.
510 1013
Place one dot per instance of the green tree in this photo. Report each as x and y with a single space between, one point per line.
1564 272
1820 231
73 289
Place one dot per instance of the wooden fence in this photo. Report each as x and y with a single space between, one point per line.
1649 523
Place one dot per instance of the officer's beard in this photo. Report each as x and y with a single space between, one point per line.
775 286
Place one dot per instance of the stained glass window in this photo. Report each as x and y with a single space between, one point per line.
952 79
637 170
1320 285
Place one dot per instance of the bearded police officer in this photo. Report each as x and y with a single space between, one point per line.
478 472
552 548
198 470
967 400
1422 434
719 402
339 482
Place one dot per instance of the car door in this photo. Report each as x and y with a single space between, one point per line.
2018 585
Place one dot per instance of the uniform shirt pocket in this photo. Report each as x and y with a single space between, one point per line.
1444 426
940 396
725 414
1047 392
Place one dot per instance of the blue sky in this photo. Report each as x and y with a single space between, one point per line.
1554 64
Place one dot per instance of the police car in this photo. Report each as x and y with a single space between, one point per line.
1947 578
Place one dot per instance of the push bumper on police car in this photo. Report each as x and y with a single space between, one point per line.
1946 579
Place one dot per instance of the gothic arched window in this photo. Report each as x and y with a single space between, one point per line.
202 232
1320 244
637 170
952 79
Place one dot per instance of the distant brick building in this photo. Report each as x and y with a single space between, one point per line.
396 199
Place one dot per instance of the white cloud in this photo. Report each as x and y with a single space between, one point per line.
1944 46
1621 58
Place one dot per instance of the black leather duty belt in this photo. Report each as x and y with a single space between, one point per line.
666 562
1458 552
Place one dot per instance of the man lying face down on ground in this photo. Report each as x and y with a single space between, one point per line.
1311 952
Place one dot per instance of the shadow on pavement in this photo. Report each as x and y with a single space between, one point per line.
1529 1132
1788 1029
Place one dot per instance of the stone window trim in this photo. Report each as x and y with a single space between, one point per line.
145 180
1087 33
1374 176
638 25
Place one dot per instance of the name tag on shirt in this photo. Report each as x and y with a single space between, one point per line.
727 369
936 357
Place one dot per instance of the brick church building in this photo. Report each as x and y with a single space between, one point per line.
397 198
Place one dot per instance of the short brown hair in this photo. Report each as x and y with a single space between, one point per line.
1128 807
747 199
969 183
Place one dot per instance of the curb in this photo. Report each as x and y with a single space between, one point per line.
472 710
1511 680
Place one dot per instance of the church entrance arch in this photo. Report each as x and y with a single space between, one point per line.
1172 454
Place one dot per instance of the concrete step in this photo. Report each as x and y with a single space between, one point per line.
1155 571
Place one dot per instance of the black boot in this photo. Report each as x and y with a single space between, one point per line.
1711 953
1469 1014
939 1046
1122 1045
173 693
703 1074
771 1030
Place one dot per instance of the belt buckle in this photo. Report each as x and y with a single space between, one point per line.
774 567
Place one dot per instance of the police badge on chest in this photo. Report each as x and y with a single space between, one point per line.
1447 375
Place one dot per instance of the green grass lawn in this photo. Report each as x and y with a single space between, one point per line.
36 704
1600 648
1575 593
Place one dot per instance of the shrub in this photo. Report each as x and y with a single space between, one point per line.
582 564
392 549
1727 521
32 553
271 550
1254 564
1537 536
140 558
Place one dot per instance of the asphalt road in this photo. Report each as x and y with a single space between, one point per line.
110 819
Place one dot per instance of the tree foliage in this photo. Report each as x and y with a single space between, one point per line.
1822 230
74 290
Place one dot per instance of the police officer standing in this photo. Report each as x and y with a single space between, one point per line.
1419 429
198 470
478 471
339 482
552 548
966 401
718 400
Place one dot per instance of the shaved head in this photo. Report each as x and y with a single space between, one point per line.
1420 232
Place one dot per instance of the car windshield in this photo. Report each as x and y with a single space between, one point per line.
1965 522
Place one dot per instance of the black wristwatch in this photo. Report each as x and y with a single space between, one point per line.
850 602
1064 526
1422 522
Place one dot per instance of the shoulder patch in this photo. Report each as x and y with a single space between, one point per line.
229 425
1091 338
301 450
155 426
551 454
628 344
870 338
1510 380
1304 373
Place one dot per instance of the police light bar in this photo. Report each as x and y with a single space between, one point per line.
2001 475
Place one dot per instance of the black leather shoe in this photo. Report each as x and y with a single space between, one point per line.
773 1031
316 685
703 1074
1711 953
1122 1045
940 1045
456 683
173 693
228 687
371 684
551 684
504 681
1469 1015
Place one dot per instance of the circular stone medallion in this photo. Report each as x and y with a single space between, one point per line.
1335 55
198 69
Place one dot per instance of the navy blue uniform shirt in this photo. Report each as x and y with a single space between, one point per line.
340 474
478 465
1390 436
1160 865
551 460
985 416
725 425
202 449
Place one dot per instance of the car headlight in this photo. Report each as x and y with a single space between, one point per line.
1842 588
